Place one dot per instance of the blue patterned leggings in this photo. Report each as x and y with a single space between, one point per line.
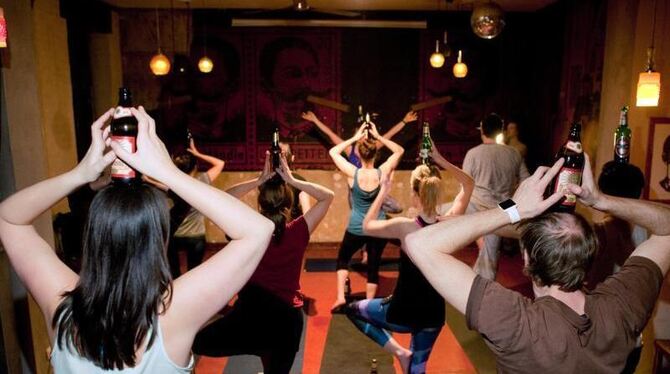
369 316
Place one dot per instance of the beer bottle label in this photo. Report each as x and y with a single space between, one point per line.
119 168
622 147
574 146
120 112
423 152
566 176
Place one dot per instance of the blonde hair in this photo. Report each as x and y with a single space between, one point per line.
426 182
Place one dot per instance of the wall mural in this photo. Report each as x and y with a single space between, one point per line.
260 81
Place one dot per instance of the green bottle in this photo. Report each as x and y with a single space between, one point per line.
622 136
426 145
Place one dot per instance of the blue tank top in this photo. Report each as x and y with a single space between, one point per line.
360 204
353 157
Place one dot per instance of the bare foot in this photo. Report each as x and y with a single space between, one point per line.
405 358
337 306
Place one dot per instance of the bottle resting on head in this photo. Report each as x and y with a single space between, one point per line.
571 171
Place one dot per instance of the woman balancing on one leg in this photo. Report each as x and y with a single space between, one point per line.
415 307
123 311
267 318
364 190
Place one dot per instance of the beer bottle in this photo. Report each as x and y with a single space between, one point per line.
622 137
571 171
373 366
361 118
275 150
426 145
367 125
124 131
189 137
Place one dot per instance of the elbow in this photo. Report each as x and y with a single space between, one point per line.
264 231
412 242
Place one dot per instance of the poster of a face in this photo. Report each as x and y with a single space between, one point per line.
290 69
658 167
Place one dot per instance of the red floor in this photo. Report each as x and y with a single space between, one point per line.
447 356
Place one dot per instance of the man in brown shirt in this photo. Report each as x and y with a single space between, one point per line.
565 329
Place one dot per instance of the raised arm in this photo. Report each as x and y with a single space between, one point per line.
217 164
35 262
242 188
409 117
462 199
203 291
392 161
652 216
340 161
323 196
394 228
430 248
334 138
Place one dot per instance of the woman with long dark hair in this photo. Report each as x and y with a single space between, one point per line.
123 311
267 319
364 189
415 307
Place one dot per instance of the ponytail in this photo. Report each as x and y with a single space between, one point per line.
426 183
274 202
429 193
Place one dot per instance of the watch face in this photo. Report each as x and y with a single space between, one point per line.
507 204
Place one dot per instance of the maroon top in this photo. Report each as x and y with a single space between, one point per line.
547 336
280 267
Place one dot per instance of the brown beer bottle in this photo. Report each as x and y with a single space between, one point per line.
124 131
571 171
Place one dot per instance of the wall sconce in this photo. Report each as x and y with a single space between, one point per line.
649 82
3 29
460 69
159 64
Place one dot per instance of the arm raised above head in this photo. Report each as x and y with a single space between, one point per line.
203 291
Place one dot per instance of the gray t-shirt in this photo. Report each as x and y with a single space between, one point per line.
497 170
194 223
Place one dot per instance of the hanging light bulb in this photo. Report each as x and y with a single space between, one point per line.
159 64
460 69
649 82
205 64
437 58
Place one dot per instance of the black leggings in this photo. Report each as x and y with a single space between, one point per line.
352 243
259 324
195 251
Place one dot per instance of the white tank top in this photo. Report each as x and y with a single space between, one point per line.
154 360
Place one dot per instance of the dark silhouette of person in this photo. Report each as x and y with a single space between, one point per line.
665 182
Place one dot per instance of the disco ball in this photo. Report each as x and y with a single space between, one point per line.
487 20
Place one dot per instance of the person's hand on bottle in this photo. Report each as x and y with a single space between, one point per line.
529 197
588 193
373 130
191 148
360 132
309 116
96 160
284 171
411 116
435 155
267 173
151 157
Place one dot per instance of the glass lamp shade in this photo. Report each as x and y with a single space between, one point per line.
3 29
460 69
437 60
648 88
487 20
160 64
205 64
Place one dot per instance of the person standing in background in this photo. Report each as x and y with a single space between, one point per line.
188 223
512 138
497 170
